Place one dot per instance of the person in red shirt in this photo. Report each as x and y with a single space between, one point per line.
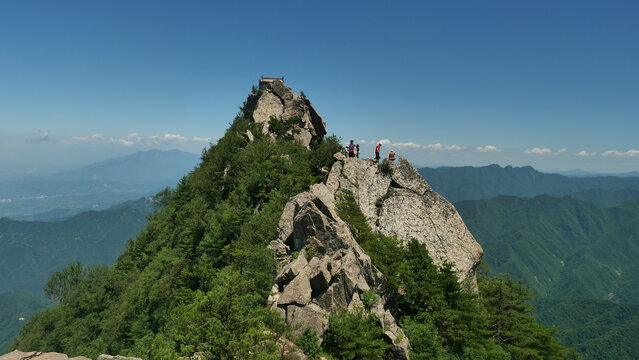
391 155
378 148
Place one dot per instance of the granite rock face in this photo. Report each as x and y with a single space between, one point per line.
322 267
274 99
398 201
38 355
330 272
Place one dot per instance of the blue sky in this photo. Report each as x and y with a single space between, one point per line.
552 84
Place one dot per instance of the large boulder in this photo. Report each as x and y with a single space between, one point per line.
274 99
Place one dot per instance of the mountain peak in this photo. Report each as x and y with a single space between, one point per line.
274 101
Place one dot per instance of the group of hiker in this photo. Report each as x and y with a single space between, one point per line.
352 150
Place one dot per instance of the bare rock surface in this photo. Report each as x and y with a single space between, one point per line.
38 355
398 201
274 99
323 269
330 270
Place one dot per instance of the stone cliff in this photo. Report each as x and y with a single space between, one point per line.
336 272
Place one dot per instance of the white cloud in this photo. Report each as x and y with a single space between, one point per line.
538 151
135 139
44 135
585 153
416 146
487 148
561 151
629 153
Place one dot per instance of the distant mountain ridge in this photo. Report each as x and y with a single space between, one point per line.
95 186
475 183
578 257
30 251
561 247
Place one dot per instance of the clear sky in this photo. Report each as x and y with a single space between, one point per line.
552 84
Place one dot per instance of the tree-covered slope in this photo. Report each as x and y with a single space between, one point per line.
15 308
31 250
474 183
196 280
597 329
580 259
197 277
561 247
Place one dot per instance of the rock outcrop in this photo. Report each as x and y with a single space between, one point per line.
324 269
39 355
274 99
398 201
330 272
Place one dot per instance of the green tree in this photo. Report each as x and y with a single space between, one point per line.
511 324
308 342
354 335
62 282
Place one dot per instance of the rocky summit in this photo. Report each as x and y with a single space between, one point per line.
336 272
274 100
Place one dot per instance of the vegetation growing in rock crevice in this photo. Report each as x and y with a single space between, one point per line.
196 279
442 321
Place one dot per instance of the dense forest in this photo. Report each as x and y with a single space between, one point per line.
579 259
196 279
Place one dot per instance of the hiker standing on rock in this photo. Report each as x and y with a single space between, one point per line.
351 149
357 147
378 148
391 155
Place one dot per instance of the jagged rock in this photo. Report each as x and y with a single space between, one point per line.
292 269
38 355
274 99
298 291
401 203
396 201
337 274
300 317
290 351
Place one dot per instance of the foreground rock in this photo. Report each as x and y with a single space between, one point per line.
398 201
274 99
38 355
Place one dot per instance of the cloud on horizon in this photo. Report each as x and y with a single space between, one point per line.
585 153
135 139
538 151
486 149
412 145
629 153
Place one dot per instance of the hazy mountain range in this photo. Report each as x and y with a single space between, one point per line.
30 251
577 249
97 186
474 183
